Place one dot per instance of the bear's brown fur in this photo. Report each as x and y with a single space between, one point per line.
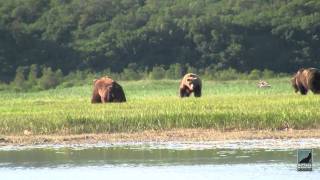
305 80
190 83
107 90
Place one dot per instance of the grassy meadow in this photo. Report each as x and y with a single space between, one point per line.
155 105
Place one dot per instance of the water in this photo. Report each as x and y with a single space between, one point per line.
151 162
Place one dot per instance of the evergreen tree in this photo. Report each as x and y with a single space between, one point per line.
19 82
33 75
49 78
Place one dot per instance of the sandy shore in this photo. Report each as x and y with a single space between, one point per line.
178 135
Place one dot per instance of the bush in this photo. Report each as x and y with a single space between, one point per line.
267 74
3 86
228 74
280 75
131 72
158 72
255 74
77 78
191 69
19 83
209 73
33 75
174 71
67 84
106 72
50 79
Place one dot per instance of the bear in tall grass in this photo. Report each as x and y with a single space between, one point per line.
305 80
107 90
190 83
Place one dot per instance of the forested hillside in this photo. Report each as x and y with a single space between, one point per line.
280 35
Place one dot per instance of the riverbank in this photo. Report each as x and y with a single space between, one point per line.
177 135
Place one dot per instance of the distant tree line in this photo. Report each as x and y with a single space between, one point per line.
37 78
148 35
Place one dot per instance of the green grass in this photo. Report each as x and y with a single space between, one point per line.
232 105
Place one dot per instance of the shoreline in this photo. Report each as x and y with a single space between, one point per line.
175 135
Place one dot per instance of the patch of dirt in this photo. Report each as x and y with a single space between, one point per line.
157 136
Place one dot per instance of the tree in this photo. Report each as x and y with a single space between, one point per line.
254 74
49 78
158 72
95 35
174 71
19 81
33 75
131 72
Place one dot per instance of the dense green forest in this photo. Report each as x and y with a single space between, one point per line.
94 35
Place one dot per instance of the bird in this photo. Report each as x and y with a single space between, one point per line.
306 159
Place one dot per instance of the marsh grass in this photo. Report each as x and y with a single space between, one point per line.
155 105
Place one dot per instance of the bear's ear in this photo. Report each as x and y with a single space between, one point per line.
94 80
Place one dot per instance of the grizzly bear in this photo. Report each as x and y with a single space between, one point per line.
107 90
305 80
190 83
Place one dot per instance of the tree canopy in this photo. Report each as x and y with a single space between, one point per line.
99 34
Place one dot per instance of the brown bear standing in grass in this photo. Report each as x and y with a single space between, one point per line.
107 90
190 83
306 79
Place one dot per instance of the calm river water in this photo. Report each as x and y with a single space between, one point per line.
143 162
